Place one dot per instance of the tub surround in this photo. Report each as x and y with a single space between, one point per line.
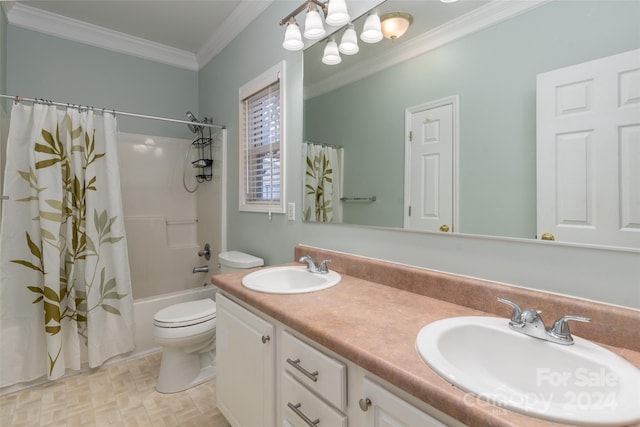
372 318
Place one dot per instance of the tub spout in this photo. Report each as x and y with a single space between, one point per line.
203 269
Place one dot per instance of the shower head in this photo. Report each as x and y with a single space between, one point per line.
193 128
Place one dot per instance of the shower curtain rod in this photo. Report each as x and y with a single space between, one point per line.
108 110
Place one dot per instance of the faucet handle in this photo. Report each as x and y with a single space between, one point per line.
516 315
323 266
560 329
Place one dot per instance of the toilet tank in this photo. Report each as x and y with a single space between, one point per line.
237 261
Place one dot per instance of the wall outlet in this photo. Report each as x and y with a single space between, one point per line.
291 211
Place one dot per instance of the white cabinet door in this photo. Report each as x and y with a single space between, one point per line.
588 151
388 410
245 366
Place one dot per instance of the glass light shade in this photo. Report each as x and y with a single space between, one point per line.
331 55
371 33
313 27
337 14
395 24
349 41
292 37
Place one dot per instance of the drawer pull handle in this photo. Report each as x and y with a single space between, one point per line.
313 376
298 412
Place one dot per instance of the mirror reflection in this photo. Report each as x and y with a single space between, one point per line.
473 91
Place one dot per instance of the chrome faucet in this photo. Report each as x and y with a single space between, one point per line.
530 323
311 265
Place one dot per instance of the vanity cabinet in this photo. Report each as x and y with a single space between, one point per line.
245 352
269 375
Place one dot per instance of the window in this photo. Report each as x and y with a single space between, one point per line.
262 143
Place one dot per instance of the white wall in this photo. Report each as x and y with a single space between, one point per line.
160 215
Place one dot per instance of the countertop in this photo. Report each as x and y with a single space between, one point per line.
375 326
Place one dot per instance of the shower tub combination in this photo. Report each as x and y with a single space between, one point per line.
164 236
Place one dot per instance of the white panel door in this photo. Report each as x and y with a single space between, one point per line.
588 152
429 180
245 350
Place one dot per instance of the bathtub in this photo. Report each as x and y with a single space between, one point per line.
143 311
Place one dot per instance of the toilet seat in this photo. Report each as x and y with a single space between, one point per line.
185 314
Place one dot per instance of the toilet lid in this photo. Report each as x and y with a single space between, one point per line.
186 313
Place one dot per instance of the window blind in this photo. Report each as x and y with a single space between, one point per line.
262 147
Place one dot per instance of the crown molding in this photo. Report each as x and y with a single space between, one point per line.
240 18
56 25
483 17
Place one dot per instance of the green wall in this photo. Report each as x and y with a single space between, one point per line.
566 269
47 67
41 66
494 73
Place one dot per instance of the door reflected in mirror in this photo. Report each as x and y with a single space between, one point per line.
452 50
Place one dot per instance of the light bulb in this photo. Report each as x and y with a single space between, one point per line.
349 41
313 27
292 37
331 55
337 14
371 33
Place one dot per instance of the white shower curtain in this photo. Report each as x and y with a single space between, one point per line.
323 183
65 287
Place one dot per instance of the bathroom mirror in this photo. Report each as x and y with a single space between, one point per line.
468 52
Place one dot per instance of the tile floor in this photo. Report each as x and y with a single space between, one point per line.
121 394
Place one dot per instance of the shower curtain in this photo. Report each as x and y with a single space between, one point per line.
65 287
323 183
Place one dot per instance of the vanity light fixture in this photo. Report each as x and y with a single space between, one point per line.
331 54
336 15
372 31
395 24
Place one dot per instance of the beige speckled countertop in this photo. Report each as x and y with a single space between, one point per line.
375 326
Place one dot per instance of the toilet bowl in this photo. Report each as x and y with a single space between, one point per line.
186 332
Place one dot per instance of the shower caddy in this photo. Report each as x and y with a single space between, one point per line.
204 145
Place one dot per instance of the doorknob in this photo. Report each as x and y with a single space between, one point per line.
547 236
444 228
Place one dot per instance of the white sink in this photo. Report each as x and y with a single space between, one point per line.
289 280
582 384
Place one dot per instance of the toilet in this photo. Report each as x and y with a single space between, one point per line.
237 261
187 332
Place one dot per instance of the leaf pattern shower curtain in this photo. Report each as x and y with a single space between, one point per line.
323 183
65 287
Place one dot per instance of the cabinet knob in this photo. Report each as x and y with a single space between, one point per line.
266 339
365 404
548 236
444 228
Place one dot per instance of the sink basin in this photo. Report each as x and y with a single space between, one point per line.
582 384
289 280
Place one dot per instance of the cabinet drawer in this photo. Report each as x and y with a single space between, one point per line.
302 408
321 373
